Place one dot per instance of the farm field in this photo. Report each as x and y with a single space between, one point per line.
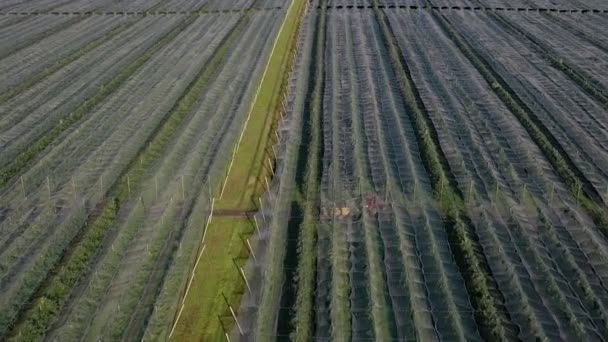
440 176
306 170
116 134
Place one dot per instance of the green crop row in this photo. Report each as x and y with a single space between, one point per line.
305 279
50 300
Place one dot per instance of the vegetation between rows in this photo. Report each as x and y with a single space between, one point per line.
307 180
242 186
273 283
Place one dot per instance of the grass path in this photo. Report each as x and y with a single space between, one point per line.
205 314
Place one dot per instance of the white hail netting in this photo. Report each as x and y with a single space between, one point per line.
567 4
401 259
31 6
69 6
584 54
64 211
22 62
391 260
35 111
393 175
523 160
445 86
201 152
274 212
18 35
72 178
349 2
548 93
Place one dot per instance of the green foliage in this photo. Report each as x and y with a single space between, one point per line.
55 293
302 321
273 86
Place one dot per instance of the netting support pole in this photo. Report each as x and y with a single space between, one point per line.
129 184
245 279
156 186
271 168
74 188
183 191
267 184
48 186
236 321
250 249
257 228
208 220
262 209
23 188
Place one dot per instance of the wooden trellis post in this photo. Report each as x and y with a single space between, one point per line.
236 321
48 186
257 228
245 279
23 188
183 190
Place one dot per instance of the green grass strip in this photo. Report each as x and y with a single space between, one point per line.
286 41
204 313
249 166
